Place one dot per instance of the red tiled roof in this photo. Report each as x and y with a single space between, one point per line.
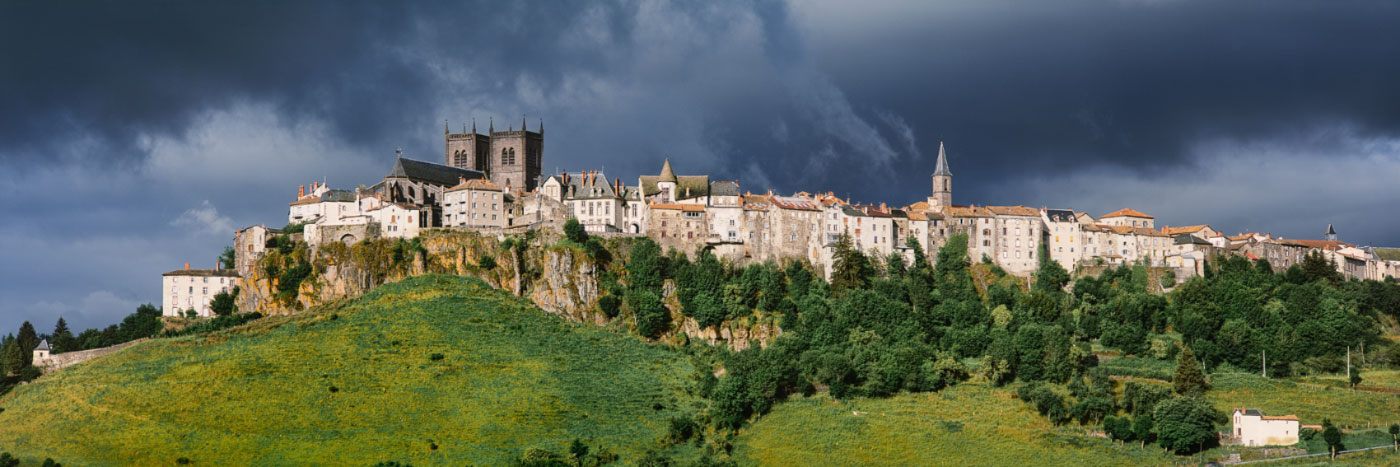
476 184
1127 212
965 211
306 200
794 202
1190 229
1013 210
679 207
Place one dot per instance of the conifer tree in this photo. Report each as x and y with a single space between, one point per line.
11 357
62 339
28 340
1188 380
849 267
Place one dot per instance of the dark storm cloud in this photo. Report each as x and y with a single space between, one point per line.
134 134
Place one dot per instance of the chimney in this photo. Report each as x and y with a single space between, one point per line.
301 191
462 179
218 265
187 265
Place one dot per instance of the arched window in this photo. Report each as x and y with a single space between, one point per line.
503 157
512 156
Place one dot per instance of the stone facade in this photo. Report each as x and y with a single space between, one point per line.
193 289
475 204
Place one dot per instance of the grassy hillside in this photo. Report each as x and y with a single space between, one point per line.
968 424
359 384
1310 402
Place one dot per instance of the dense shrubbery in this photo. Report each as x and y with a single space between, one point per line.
215 324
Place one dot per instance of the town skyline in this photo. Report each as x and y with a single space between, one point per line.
211 133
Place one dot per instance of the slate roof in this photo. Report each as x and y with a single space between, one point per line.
942 167
1188 239
1388 254
1127 212
1060 215
203 272
687 186
589 185
429 172
43 345
724 188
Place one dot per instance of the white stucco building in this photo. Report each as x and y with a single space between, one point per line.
1253 428
193 289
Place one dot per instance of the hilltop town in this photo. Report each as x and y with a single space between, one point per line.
492 183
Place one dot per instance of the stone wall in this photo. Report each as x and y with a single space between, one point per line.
56 362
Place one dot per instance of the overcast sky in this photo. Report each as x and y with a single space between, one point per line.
135 136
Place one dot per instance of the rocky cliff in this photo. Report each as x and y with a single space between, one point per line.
560 279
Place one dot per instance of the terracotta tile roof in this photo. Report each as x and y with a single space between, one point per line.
966 211
1319 244
1125 230
685 207
795 203
1127 212
919 206
306 200
917 216
1190 229
1013 211
476 184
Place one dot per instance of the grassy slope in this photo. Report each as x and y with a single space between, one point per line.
512 377
1311 403
968 424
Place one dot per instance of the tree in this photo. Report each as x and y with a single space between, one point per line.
574 231
1184 424
223 303
849 267
646 266
1355 379
652 317
62 339
28 340
1333 436
227 258
1142 429
577 449
1188 380
11 356
1050 277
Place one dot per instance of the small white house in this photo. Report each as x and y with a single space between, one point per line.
1253 428
41 352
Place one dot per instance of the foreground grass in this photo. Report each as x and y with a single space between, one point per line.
968 424
359 385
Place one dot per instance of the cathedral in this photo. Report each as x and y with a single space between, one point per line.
510 158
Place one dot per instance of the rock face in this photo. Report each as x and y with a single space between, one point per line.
559 279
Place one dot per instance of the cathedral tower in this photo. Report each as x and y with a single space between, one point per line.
467 150
942 183
516 157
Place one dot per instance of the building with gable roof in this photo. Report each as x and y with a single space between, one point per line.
193 289
476 203
1127 217
41 353
1252 428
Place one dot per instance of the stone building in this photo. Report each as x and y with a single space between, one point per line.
475 204
41 353
726 210
511 158
977 224
683 227
249 245
1127 217
1018 234
421 184
1063 237
942 197
193 289
668 188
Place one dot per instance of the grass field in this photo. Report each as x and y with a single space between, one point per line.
968 424
1384 379
1310 403
357 385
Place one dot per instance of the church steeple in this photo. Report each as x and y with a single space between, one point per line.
473 125
942 167
942 183
492 125
1331 233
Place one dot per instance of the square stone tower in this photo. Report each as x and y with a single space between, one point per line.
516 157
467 150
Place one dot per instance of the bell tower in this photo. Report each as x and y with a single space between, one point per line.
942 196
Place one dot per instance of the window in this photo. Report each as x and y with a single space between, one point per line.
986 243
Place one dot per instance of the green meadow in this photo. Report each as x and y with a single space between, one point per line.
431 370
968 424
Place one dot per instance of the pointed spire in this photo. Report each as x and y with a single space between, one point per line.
541 126
492 127
522 122
942 168
473 125
667 175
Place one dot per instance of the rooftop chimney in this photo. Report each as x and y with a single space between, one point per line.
187 265
301 191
